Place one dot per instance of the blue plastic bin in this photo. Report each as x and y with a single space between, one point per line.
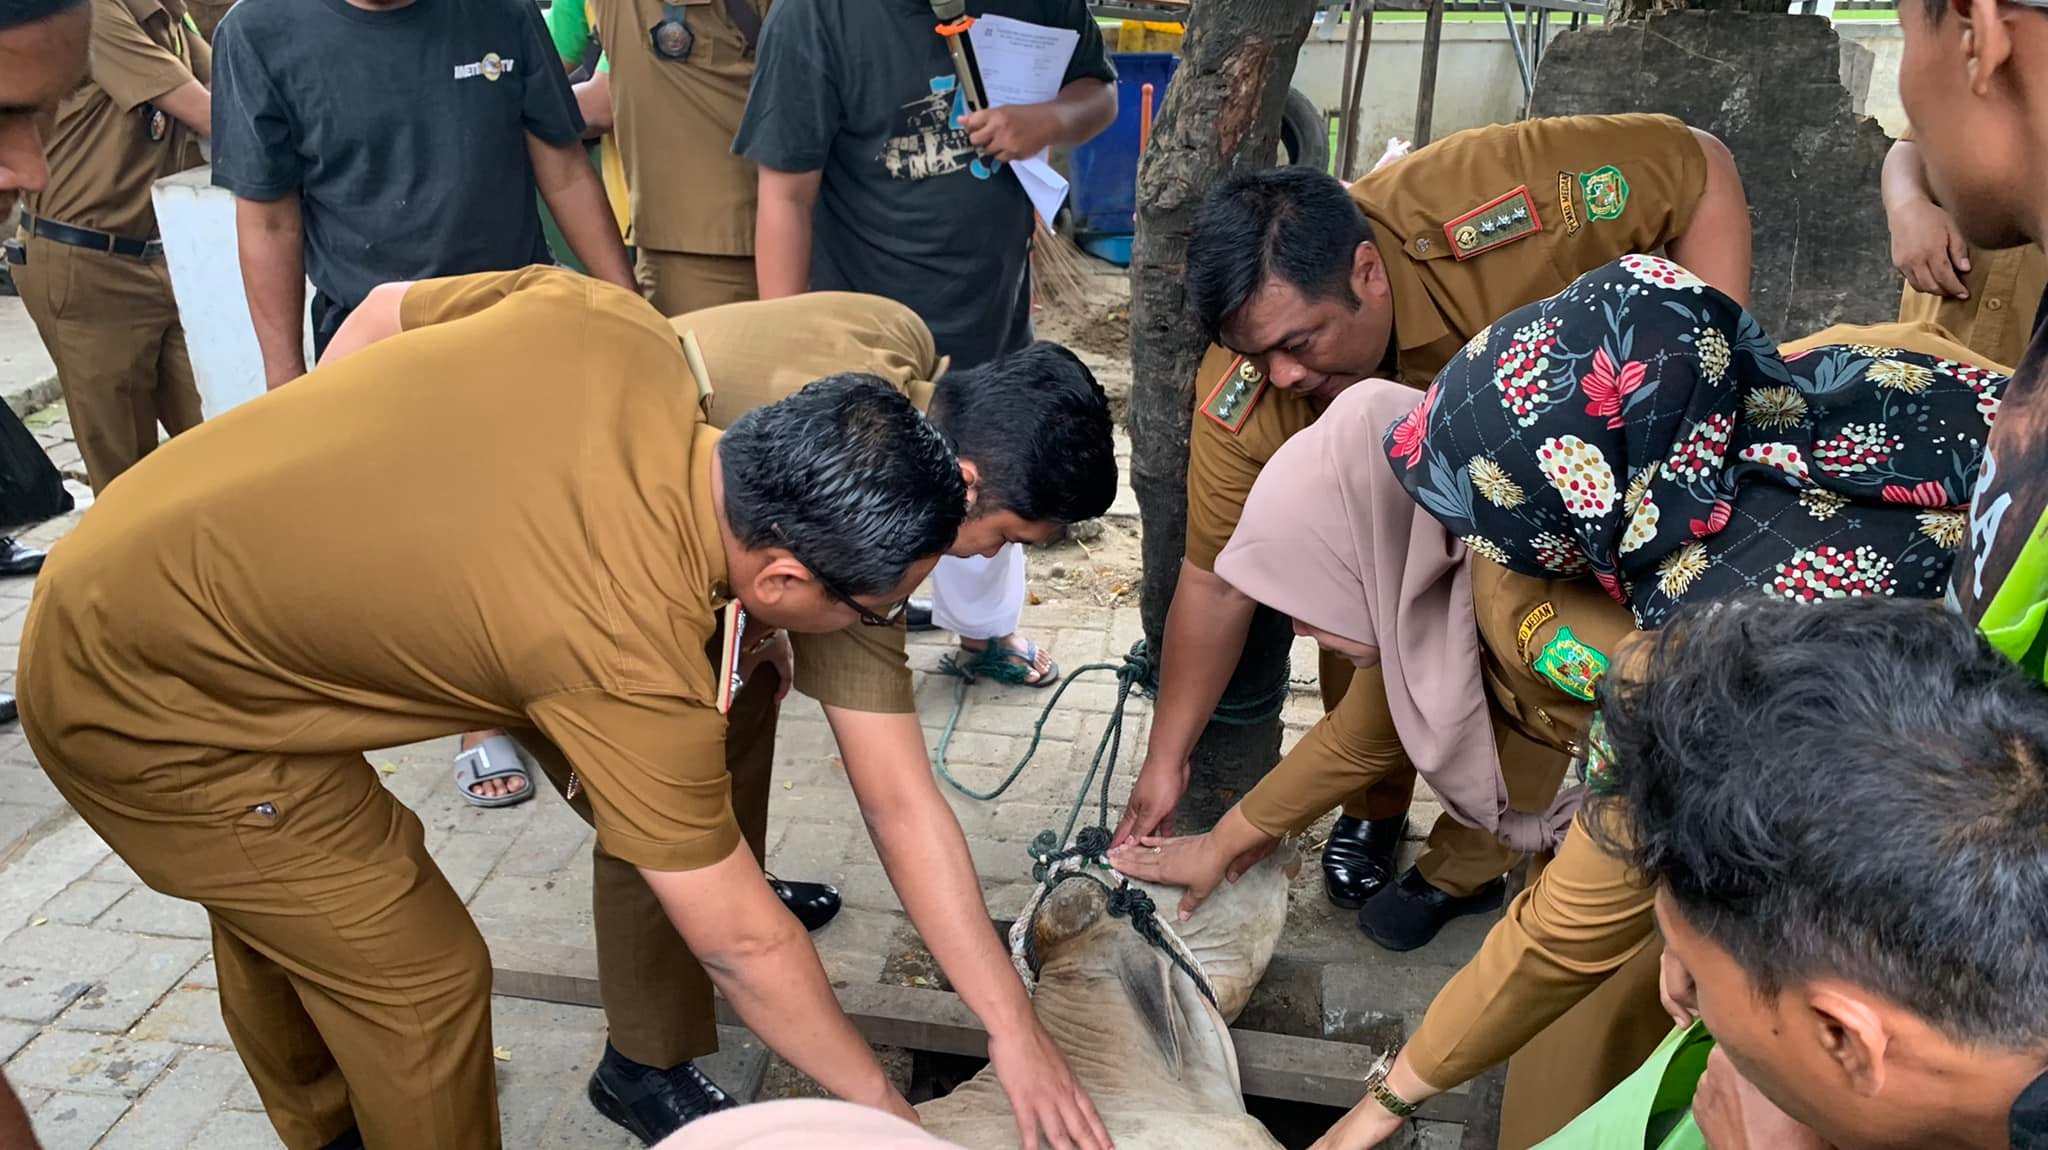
1105 169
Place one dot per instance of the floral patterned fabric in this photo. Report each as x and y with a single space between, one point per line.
1639 427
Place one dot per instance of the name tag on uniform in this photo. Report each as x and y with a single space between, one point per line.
729 655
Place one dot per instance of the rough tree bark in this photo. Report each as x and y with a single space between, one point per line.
1221 116
1618 10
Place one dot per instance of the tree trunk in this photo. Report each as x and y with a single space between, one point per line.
1221 116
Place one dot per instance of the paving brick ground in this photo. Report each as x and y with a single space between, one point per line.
110 1022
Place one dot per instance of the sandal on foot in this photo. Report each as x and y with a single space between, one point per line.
999 662
497 757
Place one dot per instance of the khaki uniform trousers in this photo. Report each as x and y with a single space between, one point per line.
657 998
1566 984
352 981
1457 859
111 325
678 282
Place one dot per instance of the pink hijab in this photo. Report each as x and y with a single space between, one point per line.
1330 537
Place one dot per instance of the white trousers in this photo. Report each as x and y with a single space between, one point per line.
977 598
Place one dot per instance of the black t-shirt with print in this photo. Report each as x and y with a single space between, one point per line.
2001 574
863 90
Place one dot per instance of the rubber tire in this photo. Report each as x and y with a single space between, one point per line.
1304 133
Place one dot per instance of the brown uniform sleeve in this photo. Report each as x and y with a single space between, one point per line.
859 669
1647 171
132 68
1520 618
654 768
200 54
1220 476
1923 337
450 298
1350 749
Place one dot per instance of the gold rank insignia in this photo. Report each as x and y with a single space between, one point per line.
1498 221
1235 395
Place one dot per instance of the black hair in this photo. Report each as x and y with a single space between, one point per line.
15 13
1036 426
847 476
1293 224
1856 789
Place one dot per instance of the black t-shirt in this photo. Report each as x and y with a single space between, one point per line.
2001 573
403 131
863 90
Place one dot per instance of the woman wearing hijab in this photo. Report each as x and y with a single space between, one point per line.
1587 466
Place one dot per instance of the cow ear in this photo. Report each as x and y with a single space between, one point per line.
1147 980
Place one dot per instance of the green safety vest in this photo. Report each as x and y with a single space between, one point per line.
1652 1108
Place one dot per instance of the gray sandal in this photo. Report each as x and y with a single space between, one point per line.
497 757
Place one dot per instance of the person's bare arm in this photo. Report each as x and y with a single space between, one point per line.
594 100
762 961
191 105
1927 247
782 232
376 319
1206 628
269 238
1012 132
1716 246
575 195
926 856
15 1131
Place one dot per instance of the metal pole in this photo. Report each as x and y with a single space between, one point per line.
1347 125
1365 17
1432 49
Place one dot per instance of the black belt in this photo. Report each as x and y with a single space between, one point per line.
91 239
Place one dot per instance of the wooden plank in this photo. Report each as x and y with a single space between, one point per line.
1272 1065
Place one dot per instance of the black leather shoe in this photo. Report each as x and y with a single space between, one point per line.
1409 913
350 1139
813 903
16 559
8 711
1359 858
652 1103
917 615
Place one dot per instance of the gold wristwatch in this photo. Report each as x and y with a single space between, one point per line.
1376 1088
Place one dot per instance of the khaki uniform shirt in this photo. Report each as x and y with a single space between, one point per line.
110 143
207 14
1998 319
1470 228
756 353
675 121
502 517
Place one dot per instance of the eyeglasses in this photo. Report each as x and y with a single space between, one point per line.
868 617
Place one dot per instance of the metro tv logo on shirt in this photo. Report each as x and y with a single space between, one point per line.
490 67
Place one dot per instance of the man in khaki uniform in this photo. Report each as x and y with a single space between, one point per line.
215 737
679 78
1989 300
1310 292
90 267
1032 432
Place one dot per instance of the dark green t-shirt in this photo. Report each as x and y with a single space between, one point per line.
863 90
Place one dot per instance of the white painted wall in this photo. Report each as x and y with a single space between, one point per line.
1478 83
197 221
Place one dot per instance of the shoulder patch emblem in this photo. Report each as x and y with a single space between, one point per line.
1606 192
1576 668
1498 221
1235 396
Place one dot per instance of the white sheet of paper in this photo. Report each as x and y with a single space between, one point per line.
1046 187
1025 63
